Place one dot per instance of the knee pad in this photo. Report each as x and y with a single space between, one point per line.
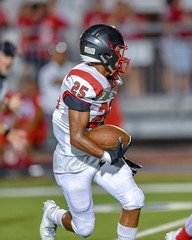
83 229
133 199
83 222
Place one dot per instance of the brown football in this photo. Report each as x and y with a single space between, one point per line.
106 136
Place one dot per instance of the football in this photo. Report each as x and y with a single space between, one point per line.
106 136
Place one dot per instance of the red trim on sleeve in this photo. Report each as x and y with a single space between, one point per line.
98 88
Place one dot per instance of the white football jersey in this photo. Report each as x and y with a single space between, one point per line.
89 86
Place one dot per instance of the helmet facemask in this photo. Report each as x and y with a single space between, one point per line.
117 62
122 64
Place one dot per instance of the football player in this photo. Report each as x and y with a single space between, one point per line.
15 136
181 234
85 100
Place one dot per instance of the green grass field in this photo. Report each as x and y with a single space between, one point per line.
20 216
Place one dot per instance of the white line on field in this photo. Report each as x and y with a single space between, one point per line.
150 207
166 187
161 228
55 191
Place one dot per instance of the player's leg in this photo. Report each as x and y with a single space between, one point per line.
120 184
77 191
49 223
128 224
188 227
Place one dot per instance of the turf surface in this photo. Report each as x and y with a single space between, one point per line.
20 217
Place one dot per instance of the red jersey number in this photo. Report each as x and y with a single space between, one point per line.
80 89
100 118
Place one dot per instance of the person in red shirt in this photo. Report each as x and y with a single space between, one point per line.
3 19
30 118
132 25
51 30
96 14
176 49
15 137
28 21
176 19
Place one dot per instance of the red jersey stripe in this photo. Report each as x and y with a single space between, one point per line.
98 88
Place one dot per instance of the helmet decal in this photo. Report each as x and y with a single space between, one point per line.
89 50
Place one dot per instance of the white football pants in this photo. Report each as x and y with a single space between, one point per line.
76 188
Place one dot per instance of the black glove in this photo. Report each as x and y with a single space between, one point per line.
133 166
117 152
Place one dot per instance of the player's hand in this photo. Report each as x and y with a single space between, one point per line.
133 166
17 138
15 102
113 156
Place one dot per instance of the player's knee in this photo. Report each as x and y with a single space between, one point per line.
85 230
133 199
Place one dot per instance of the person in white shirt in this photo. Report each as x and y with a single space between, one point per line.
51 75
85 99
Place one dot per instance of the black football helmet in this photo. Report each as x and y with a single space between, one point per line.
104 43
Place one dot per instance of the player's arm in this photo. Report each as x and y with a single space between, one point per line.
78 121
79 114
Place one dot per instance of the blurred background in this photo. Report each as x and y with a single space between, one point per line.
155 104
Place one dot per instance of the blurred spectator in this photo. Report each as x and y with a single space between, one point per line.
176 48
7 56
96 14
51 30
140 50
4 20
29 19
51 76
3 17
39 27
30 118
15 137
50 79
